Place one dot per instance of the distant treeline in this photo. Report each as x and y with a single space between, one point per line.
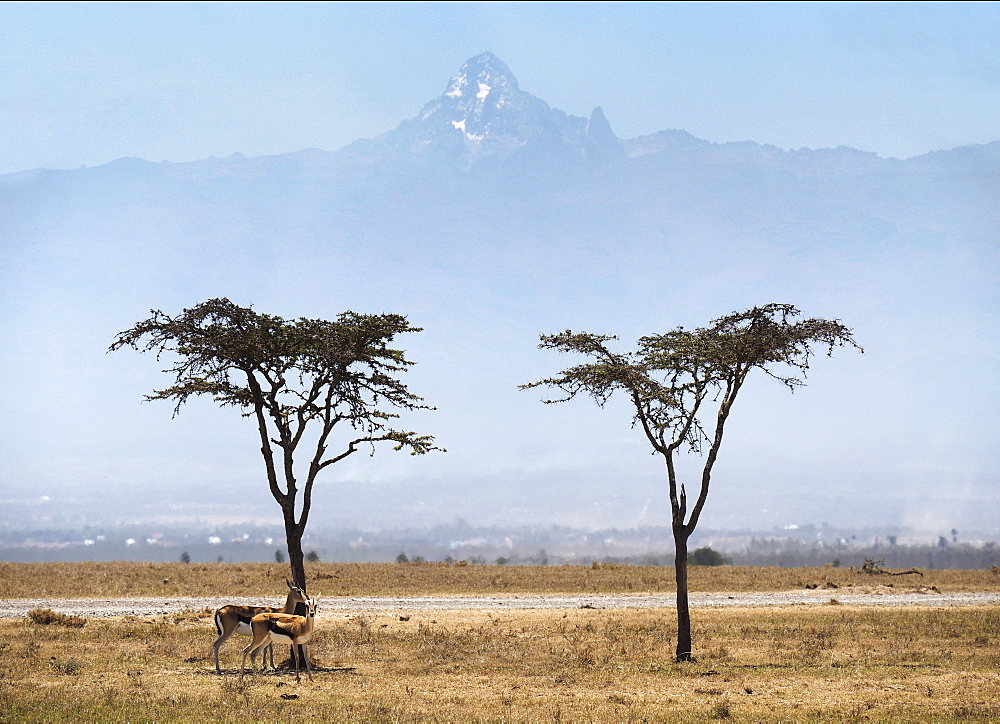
960 556
953 557
813 546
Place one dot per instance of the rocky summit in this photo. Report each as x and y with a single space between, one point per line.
483 112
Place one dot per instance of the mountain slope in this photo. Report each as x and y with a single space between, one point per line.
488 218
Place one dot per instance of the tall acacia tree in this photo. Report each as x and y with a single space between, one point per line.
301 381
677 380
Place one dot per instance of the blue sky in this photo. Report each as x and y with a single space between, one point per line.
86 83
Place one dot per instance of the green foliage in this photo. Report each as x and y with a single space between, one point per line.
294 372
185 557
337 380
873 567
706 557
672 375
312 557
673 378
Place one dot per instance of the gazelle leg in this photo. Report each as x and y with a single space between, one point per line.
252 650
305 655
223 637
215 650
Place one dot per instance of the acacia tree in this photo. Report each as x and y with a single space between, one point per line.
677 380
301 381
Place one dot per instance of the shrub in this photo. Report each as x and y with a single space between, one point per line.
706 557
46 616
71 666
873 567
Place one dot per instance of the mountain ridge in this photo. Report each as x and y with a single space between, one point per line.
844 159
464 127
486 246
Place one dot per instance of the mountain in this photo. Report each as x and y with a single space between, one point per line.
488 218
484 114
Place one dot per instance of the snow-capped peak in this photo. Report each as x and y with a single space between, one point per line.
481 88
479 76
483 111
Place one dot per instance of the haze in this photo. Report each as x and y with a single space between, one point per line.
904 253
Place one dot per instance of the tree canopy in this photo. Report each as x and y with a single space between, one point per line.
671 376
301 380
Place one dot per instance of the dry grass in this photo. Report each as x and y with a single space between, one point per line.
132 579
46 616
816 663
827 663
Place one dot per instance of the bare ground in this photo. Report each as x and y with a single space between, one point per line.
140 607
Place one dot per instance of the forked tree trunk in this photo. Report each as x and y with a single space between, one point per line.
683 611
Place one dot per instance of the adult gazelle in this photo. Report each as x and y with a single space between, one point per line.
282 628
236 619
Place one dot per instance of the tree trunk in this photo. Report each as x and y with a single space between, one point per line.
683 611
293 539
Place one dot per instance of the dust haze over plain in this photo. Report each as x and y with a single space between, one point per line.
488 216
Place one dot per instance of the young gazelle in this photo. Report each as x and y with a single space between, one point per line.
282 628
236 619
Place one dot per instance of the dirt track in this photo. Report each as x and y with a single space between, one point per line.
143 607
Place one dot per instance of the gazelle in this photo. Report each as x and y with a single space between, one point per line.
282 628
236 619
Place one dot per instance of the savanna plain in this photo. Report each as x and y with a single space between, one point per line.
826 662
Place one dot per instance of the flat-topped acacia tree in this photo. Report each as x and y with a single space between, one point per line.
683 385
318 390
